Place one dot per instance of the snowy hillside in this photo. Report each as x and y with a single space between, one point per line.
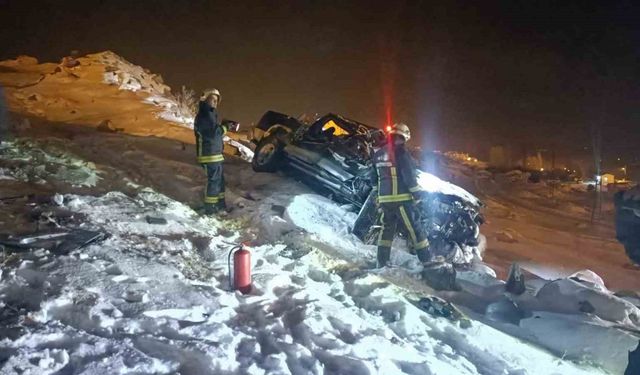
151 294
155 299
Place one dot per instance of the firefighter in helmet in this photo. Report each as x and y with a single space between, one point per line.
209 145
394 181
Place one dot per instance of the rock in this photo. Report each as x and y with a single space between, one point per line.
589 278
506 311
58 199
586 307
22 125
581 338
570 296
106 126
113 270
69 62
480 284
505 236
630 296
515 280
26 60
278 209
132 296
483 268
441 276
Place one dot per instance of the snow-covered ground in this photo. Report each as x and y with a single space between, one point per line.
155 299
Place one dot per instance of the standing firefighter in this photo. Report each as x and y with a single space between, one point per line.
209 145
394 173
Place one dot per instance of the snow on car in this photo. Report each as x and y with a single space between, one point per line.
333 154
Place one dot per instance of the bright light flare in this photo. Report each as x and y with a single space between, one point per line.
433 184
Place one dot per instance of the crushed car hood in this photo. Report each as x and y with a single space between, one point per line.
432 184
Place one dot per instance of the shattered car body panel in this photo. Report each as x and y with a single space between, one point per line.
334 154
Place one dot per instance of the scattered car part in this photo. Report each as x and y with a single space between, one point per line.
155 220
437 306
58 242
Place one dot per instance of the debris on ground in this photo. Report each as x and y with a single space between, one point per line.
439 307
59 242
515 280
155 220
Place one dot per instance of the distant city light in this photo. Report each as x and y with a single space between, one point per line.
541 169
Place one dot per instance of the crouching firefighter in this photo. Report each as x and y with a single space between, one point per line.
209 146
394 179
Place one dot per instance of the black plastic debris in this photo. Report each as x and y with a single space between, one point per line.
437 306
59 242
278 209
155 220
515 281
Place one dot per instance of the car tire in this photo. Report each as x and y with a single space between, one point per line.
268 155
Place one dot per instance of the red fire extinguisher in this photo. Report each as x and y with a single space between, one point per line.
241 269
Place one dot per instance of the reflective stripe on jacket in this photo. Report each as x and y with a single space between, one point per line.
394 173
209 133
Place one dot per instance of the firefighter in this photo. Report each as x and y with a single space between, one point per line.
394 181
209 145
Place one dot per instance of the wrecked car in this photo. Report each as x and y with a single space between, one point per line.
333 155
627 204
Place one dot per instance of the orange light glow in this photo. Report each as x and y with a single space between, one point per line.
388 128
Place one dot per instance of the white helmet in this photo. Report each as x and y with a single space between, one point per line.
208 92
401 129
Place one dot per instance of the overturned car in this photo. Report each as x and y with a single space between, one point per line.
333 155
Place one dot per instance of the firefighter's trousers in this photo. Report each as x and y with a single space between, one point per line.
214 191
405 214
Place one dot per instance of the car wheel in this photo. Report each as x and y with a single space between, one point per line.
268 155
632 248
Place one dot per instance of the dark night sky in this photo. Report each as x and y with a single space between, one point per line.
464 75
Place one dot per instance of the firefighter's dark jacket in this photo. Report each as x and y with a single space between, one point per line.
209 134
394 174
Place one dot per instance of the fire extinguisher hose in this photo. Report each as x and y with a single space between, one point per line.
233 249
